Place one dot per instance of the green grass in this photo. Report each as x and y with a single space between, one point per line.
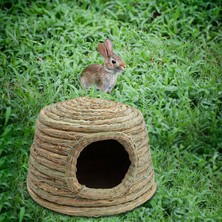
173 51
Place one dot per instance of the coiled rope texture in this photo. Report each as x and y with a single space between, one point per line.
63 130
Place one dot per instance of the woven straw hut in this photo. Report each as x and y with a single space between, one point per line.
90 157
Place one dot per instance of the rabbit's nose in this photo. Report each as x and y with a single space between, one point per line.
123 66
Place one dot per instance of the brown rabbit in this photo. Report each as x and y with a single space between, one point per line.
103 77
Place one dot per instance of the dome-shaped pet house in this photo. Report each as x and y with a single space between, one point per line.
90 157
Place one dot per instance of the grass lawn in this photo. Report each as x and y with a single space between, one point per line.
173 52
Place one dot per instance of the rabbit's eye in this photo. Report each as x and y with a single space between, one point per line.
113 61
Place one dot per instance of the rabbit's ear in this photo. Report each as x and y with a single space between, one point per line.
109 47
102 50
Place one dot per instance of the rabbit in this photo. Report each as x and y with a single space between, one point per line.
103 76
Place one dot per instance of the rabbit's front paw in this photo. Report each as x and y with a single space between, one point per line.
108 89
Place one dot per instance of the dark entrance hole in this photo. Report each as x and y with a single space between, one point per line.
102 164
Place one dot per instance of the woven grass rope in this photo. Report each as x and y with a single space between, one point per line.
90 157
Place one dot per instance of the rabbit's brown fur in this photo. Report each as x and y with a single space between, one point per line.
103 77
